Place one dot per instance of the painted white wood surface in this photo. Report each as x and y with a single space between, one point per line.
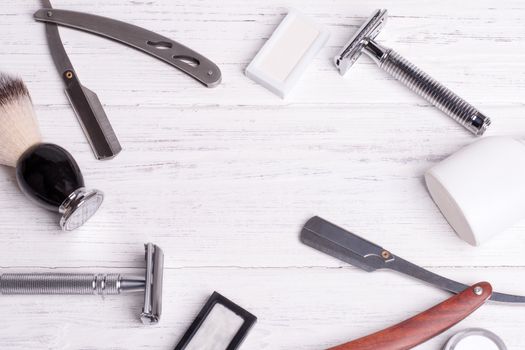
224 178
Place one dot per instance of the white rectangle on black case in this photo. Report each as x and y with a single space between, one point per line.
220 325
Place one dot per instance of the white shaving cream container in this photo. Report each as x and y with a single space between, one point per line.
481 188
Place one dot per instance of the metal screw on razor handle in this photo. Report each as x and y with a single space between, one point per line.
410 75
97 284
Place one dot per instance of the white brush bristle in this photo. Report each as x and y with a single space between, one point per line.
18 124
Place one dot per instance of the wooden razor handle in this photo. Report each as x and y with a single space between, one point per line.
428 324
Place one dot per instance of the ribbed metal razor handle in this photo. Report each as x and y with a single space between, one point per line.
434 92
59 283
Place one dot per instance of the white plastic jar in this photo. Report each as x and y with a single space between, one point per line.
481 188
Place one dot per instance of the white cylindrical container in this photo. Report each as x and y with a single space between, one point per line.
481 188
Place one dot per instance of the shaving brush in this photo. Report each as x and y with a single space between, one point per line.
45 172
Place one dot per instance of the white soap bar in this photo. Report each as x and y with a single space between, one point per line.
284 57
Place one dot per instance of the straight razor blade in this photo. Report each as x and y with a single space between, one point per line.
350 248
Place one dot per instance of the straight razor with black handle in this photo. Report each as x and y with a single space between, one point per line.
348 247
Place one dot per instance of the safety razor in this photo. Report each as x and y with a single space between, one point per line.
407 73
97 284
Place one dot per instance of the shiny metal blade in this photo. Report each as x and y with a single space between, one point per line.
343 245
85 102
152 307
353 49
350 248
93 120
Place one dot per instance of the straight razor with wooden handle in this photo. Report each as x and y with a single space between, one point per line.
426 325
348 247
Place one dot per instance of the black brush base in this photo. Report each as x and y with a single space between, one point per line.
50 177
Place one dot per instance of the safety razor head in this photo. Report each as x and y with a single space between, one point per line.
353 49
153 290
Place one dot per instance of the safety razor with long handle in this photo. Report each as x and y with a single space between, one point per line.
96 284
407 73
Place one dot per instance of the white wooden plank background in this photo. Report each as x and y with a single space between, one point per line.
224 178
